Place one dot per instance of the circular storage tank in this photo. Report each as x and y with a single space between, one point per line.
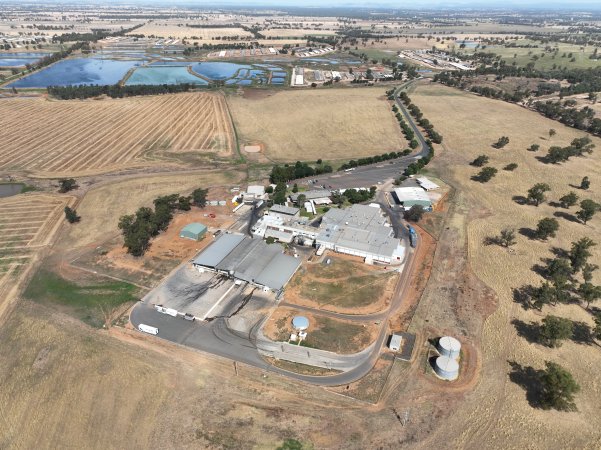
449 346
300 323
446 368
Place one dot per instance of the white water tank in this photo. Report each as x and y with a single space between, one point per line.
446 368
449 346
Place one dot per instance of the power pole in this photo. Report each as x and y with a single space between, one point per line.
236 367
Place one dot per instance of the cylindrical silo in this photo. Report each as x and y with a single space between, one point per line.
449 346
446 368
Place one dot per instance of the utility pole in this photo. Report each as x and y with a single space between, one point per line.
236 367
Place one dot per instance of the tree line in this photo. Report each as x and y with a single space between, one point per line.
287 172
583 119
115 90
421 120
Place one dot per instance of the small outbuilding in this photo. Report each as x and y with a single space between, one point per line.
195 231
395 342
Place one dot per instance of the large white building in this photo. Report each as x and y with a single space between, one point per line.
360 231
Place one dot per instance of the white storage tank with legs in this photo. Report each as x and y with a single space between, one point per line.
446 368
449 346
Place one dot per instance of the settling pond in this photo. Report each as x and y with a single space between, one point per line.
10 189
20 59
95 71
81 71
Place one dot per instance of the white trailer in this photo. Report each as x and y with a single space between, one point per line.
148 329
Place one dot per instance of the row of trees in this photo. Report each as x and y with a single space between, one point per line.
287 172
421 120
373 159
115 91
139 228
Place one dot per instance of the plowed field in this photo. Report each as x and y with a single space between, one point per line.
78 137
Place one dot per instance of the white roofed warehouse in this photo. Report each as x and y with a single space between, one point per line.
360 231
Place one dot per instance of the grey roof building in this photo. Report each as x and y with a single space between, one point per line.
312 195
250 260
361 231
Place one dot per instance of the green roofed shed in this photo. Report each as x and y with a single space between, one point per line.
195 231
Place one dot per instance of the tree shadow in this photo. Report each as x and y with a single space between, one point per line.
575 186
520 199
582 333
528 378
544 159
560 252
529 331
528 232
492 240
555 204
522 295
564 215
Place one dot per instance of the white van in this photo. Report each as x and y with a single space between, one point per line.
148 329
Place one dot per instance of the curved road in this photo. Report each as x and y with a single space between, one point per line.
215 337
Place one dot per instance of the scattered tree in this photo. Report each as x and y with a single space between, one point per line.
485 174
579 253
536 194
588 208
415 213
554 330
480 161
597 328
534 148
71 215
589 293
544 295
66 185
585 184
510 167
568 200
552 132
587 272
505 239
546 228
502 142
558 388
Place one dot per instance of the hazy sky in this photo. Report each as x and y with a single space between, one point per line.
574 5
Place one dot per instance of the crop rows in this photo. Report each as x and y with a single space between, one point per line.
89 136
27 224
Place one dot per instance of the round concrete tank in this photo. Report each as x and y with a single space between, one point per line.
300 323
449 346
446 368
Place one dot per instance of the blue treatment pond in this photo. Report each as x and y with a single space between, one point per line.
82 71
163 75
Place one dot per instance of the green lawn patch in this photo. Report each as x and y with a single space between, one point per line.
337 336
89 302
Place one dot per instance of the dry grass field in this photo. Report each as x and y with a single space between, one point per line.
332 124
296 32
497 413
28 224
77 137
167 29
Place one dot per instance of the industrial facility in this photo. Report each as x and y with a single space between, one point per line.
194 231
446 365
412 195
248 260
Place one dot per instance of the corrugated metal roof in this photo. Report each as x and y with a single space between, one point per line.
279 271
283 209
218 250
195 228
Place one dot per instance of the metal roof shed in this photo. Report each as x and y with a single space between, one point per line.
278 272
216 252
195 231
